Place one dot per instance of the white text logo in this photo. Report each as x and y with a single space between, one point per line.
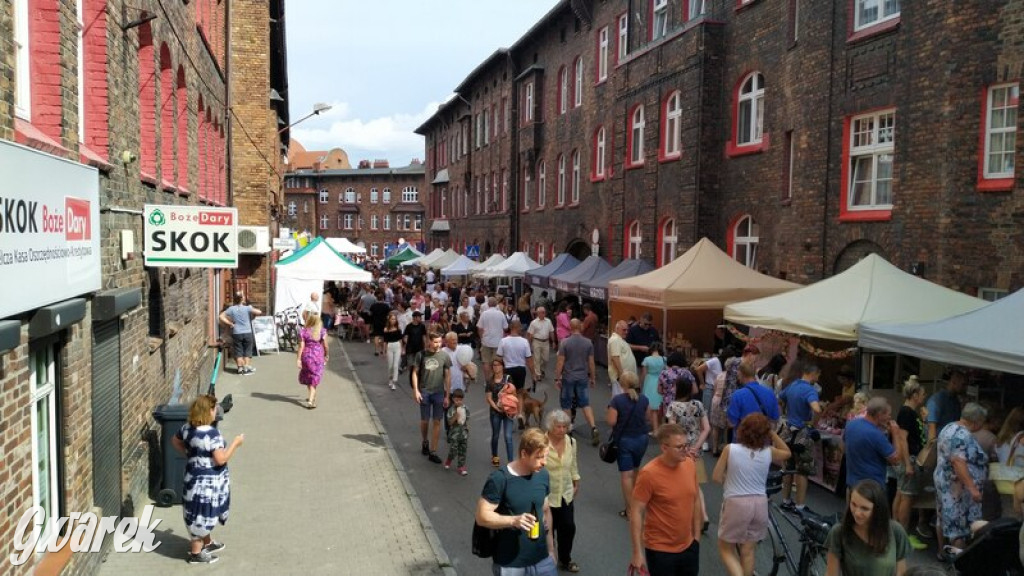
83 532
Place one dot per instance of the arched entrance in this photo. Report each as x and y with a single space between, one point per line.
855 252
579 249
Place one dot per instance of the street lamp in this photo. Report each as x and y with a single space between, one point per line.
317 109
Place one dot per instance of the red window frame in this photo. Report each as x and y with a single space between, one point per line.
147 105
167 118
94 150
563 90
987 184
618 49
42 130
869 31
663 155
597 56
182 122
732 149
845 214
629 164
594 176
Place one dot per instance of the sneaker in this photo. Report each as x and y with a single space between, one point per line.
425 449
463 471
392 384
788 506
916 543
448 464
433 457
247 372
214 546
495 461
203 557
595 436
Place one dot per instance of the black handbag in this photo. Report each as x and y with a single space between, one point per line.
485 540
609 451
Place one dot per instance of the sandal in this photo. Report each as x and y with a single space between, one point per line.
496 462
624 514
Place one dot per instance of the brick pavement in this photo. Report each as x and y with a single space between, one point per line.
313 491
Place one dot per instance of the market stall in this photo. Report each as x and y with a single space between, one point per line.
587 270
402 255
424 258
305 272
441 261
538 277
345 246
494 260
515 266
460 267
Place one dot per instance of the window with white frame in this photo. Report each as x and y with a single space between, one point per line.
477 198
563 89
622 48
527 189
374 222
574 195
44 378
325 221
465 202
350 196
374 196
669 241
660 21
496 192
292 208
529 102
496 124
992 294
750 123
635 239
410 194
417 222
560 185
542 184
487 127
349 222
487 194
504 191
602 54
577 92
23 79
600 147
673 125
870 12
387 221
80 25
1001 130
405 222
636 143
374 249
325 196
540 253
744 241
444 202
696 9
386 196
305 206
872 148
478 131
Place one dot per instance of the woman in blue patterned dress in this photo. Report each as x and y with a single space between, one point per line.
960 474
312 357
207 495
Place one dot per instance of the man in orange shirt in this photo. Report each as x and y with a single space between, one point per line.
665 516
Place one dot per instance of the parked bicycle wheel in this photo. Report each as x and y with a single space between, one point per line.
770 554
812 561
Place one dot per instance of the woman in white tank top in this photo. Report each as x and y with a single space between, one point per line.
743 469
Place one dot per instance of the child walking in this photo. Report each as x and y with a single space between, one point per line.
458 431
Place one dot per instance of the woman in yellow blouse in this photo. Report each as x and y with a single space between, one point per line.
565 482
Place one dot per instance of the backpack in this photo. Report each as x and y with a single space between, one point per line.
508 400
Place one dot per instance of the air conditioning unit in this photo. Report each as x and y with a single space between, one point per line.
253 239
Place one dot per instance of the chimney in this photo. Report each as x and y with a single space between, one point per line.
379 163
415 162
364 164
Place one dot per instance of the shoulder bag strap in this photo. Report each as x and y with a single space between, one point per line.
759 403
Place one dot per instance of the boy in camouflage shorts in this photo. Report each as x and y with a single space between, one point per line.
458 432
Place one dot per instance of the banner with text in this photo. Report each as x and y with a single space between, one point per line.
191 236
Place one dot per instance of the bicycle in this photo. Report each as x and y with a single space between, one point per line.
287 322
812 530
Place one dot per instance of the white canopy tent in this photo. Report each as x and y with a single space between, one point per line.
871 291
990 338
461 267
432 255
515 265
345 246
305 272
443 260
494 260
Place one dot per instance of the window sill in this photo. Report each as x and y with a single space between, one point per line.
734 151
595 179
629 166
168 187
665 158
154 343
878 215
147 179
874 30
995 184
27 134
573 205
744 4
600 81
91 158
183 192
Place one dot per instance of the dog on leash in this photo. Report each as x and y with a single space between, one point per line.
531 407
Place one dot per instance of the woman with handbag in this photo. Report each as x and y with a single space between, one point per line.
563 468
496 386
627 415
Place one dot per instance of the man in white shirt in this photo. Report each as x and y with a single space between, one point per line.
514 351
467 307
430 280
439 294
491 326
460 374
539 334
311 307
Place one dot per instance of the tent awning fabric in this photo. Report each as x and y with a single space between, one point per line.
561 264
442 177
441 261
702 278
494 260
589 269
318 261
345 246
403 255
515 265
989 337
461 267
597 287
871 291
424 258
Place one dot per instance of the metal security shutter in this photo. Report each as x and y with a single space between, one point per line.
106 417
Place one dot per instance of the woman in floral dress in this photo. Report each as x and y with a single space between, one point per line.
207 491
960 474
313 356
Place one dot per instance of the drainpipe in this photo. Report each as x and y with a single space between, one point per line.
828 149
513 165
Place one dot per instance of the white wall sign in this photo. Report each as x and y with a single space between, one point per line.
49 229
190 236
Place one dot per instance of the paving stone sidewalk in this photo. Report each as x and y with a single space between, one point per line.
313 491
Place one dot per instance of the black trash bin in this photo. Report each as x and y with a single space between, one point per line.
171 418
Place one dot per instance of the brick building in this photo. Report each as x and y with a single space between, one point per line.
373 205
104 107
798 134
301 159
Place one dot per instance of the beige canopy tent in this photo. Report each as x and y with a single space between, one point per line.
871 291
690 292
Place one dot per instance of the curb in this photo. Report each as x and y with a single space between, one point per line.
443 561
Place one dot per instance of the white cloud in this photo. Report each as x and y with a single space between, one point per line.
390 137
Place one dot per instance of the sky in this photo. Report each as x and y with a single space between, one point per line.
385 65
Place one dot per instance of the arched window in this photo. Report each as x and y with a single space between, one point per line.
167 116
750 111
527 182
669 241
577 98
744 241
563 90
634 239
574 196
181 97
636 136
671 146
560 185
542 184
147 103
600 147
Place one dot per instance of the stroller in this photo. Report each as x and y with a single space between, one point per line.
994 551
